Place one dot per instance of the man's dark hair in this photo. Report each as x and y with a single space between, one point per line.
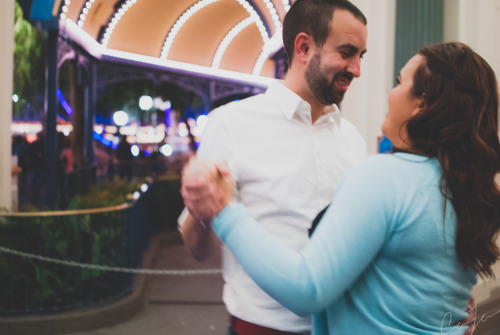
313 17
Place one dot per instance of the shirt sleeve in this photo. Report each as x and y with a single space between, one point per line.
348 238
215 146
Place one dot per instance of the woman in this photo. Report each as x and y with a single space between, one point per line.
398 250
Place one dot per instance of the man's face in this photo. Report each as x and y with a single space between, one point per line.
332 67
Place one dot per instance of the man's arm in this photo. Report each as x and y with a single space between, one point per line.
199 239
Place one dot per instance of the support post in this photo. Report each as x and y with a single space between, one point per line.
6 75
51 120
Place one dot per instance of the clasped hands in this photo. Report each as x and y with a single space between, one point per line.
206 188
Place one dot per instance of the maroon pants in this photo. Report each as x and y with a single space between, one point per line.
241 327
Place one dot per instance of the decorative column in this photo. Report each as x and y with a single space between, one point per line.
6 75
90 101
418 23
477 24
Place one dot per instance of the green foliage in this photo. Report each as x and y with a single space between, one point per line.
168 202
105 195
111 238
98 238
29 60
112 193
29 284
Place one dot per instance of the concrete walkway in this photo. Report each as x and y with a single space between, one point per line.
175 305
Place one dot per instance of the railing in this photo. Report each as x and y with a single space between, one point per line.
112 237
31 183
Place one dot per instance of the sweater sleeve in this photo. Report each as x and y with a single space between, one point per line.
348 238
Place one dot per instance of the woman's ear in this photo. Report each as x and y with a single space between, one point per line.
303 43
422 104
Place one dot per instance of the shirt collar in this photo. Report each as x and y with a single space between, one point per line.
293 105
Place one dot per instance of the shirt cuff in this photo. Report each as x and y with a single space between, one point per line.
182 218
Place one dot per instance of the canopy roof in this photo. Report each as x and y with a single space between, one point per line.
235 35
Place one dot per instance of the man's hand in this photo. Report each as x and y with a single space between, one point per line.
205 188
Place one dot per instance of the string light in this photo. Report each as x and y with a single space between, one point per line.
287 5
180 22
273 45
85 12
116 18
228 39
64 9
195 8
256 17
274 14
100 51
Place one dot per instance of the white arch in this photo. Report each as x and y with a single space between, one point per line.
83 16
116 18
228 39
196 7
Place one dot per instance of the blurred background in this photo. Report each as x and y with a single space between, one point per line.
103 101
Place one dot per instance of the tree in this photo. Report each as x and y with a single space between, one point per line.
29 62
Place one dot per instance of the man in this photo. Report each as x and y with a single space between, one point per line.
287 150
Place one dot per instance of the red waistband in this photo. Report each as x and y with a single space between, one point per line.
246 328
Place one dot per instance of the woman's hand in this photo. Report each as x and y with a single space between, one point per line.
206 188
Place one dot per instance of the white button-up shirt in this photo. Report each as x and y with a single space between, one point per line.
286 170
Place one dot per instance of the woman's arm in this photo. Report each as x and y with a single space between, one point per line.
346 241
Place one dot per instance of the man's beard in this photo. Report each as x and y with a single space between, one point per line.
324 91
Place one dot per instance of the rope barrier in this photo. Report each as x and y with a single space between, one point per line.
112 268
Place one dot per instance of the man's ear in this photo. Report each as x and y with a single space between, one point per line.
303 44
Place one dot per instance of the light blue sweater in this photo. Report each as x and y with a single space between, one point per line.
382 261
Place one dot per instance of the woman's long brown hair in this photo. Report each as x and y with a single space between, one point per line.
459 126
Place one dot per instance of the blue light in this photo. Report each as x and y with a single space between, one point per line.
102 139
64 103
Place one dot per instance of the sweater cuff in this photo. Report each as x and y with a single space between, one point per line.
228 218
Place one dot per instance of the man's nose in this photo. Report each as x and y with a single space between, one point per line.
354 67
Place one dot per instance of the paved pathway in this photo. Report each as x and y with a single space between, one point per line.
176 305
